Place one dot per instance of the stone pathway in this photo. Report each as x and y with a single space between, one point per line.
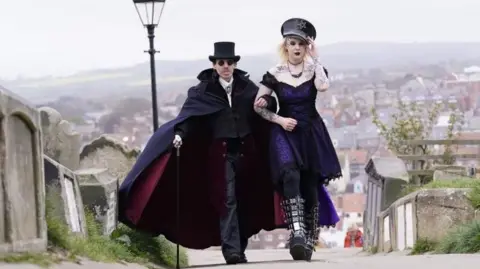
324 258
336 259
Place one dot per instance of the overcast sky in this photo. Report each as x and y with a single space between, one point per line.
59 37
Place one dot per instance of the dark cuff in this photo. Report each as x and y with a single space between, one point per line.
271 102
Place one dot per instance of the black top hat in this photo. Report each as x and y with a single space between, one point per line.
300 28
224 51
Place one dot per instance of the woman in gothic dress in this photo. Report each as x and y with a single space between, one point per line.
303 159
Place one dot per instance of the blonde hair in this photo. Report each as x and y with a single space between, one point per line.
282 50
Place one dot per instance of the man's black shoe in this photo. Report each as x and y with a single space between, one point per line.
234 258
243 258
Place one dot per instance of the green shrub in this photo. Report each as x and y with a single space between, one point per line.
474 195
423 245
463 239
154 249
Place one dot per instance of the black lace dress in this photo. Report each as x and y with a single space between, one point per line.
308 147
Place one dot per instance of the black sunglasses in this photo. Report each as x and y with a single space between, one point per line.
223 62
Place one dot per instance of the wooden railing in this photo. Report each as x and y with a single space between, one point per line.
420 156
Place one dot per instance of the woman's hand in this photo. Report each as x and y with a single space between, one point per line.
261 102
288 124
312 48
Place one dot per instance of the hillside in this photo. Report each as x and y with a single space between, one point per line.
177 76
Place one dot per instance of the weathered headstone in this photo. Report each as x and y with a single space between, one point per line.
386 180
60 141
22 198
99 193
106 152
63 195
450 172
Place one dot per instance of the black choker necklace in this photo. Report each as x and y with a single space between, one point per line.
295 64
295 75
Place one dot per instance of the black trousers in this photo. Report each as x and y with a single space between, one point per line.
298 183
233 242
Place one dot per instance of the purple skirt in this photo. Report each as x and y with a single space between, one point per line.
307 148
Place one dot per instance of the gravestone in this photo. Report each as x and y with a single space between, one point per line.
387 177
60 141
450 172
22 198
106 152
99 192
63 195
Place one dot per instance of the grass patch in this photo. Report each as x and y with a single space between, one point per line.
423 245
463 239
40 259
372 250
123 246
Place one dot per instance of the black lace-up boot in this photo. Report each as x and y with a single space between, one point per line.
313 233
294 216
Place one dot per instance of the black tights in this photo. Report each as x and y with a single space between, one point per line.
305 184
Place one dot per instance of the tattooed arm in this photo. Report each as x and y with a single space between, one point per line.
321 77
263 111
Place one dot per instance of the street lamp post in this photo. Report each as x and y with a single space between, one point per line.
150 12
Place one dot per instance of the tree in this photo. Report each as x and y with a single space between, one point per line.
128 107
455 121
416 122
108 122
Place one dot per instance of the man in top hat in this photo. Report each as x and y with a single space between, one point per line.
222 175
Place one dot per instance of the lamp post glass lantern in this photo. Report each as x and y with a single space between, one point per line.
149 12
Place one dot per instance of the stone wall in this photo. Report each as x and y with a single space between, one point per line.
425 214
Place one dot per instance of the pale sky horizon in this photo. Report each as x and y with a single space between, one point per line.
54 37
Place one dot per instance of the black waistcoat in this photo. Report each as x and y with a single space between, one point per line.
234 121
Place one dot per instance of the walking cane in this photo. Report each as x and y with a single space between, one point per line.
178 207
